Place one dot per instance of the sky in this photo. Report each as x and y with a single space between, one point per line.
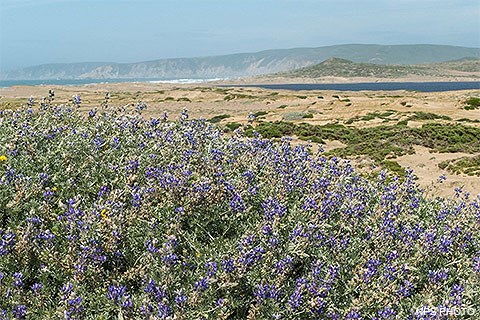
36 32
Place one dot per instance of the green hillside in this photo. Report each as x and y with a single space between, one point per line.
338 67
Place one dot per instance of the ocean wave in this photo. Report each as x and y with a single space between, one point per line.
187 81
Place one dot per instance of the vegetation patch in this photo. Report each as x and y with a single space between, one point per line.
293 115
420 115
381 142
219 118
260 113
372 115
235 96
468 120
472 103
465 165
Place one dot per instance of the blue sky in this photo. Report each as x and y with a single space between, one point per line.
48 31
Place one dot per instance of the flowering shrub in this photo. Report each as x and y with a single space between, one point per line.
110 215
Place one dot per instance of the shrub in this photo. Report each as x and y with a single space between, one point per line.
260 113
472 103
112 216
294 115
219 118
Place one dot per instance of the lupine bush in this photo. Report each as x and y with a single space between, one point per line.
110 215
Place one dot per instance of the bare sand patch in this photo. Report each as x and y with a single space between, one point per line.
425 165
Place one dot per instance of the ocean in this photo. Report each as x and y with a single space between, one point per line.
370 86
61 82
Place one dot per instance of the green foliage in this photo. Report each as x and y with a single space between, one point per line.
472 103
372 115
235 96
468 120
219 118
394 167
260 113
294 115
308 116
381 142
464 165
420 115
233 125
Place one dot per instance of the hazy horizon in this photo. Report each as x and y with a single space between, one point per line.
70 31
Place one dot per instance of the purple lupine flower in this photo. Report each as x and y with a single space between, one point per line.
296 298
476 263
103 191
164 310
283 265
31 102
252 256
17 279
406 289
158 293
438 275
48 194
372 268
115 143
20 311
6 243
228 265
170 258
353 315
266 291
180 298
136 200
76 100
98 142
36 287
150 246
43 177
212 269
118 294
386 313
184 115
237 204
272 207
202 284
310 204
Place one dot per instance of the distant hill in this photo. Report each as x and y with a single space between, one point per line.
468 64
337 67
245 64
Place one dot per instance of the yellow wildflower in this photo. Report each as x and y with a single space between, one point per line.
103 213
3 158
54 188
